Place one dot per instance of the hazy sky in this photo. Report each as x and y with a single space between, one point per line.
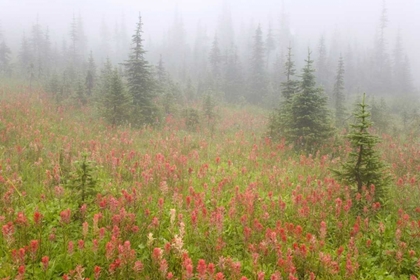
309 18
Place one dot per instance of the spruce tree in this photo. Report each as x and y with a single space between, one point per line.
141 84
322 76
90 81
116 102
80 94
270 44
290 86
4 57
338 94
233 81
215 59
25 55
307 118
364 166
278 120
161 73
401 70
74 38
258 75
104 81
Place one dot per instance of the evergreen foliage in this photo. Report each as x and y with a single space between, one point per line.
258 76
338 94
208 107
233 79
192 118
290 86
90 81
270 44
81 98
364 166
83 180
116 102
141 84
306 117
380 115
4 57
323 72
215 59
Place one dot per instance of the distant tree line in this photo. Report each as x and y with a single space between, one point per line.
255 65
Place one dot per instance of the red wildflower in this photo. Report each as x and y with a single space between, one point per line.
45 260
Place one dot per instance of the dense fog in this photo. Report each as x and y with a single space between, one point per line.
378 40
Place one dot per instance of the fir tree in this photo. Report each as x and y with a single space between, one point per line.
190 91
54 87
233 81
278 120
338 94
258 75
307 118
81 37
74 37
363 167
270 44
215 59
321 65
116 101
25 55
46 53
380 115
104 80
141 84
4 57
381 68
81 98
105 39
90 75
37 44
161 73
401 69
290 86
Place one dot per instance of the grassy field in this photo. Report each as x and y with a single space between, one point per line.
80 199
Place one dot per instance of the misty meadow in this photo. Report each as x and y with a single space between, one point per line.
209 139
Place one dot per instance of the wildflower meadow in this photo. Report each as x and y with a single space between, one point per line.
80 199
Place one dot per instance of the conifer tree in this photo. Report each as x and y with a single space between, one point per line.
270 44
46 53
258 75
74 37
105 39
4 57
90 75
338 94
321 65
379 113
233 81
161 73
37 44
290 86
25 55
190 91
364 166
104 80
116 101
401 69
81 37
307 118
380 81
215 59
278 120
81 98
141 84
